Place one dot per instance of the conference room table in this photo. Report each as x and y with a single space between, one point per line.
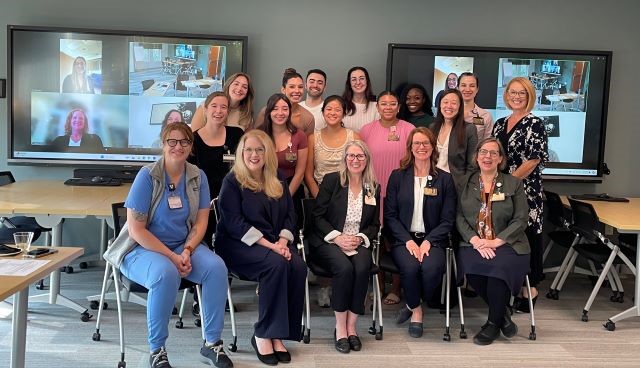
19 285
625 218
49 202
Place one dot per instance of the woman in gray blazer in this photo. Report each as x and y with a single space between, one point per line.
494 252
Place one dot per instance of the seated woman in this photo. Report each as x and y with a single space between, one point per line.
78 81
347 215
172 116
167 212
494 252
76 135
254 238
419 214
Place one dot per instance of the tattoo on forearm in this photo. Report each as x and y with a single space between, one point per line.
139 216
191 234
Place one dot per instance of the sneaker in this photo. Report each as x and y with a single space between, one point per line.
215 355
158 359
324 300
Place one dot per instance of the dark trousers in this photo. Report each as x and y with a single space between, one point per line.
536 243
281 298
494 292
419 280
350 276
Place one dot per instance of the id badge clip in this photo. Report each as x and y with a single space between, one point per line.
429 190
499 196
393 135
369 199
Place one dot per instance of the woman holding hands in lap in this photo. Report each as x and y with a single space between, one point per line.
347 219
494 252
254 238
419 213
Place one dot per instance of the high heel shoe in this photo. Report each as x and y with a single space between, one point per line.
268 359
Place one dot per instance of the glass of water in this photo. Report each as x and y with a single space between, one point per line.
23 240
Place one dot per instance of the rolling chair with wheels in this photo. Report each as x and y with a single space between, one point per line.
562 234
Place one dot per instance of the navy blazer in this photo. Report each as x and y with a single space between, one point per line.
438 213
330 211
246 216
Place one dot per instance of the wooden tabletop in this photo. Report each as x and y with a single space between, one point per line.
624 216
10 285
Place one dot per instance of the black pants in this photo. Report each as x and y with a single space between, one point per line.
494 292
536 243
419 280
350 276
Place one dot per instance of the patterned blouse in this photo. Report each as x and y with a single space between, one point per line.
353 218
526 141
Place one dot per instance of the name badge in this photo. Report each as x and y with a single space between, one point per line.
393 136
370 200
478 120
497 197
227 157
431 192
175 202
291 156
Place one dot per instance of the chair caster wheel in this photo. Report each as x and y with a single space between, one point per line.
195 309
306 338
446 337
198 322
553 294
174 311
83 265
532 336
66 269
232 347
379 336
94 304
585 317
372 330
610 326
179 325
122 365
96 336
463 334
85 316
40 285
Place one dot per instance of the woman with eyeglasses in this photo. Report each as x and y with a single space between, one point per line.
419 213
468 85
524 139
347 217
167 212
494 252
214 147
387 139
359 98
255 236
78 81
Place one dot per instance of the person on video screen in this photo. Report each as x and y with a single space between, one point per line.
450 83
77 81
172 116
76 135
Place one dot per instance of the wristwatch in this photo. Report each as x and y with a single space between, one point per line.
190 249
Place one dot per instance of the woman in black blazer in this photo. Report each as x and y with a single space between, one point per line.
254 238
419 213
347 217
494 252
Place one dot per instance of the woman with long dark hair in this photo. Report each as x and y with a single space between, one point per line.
359 98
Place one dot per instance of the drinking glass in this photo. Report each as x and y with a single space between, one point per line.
23 240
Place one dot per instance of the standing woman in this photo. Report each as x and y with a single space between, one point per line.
254 238
494 252
327 144
347 215
450 83
167 211
213 148
468 85
415 106
457 139
419 213
387 139
360 100
291 146
523 136
239 90
293 88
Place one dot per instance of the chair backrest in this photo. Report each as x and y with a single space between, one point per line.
555 208
199 74
119 212
179 79
545 93
585 219
6 177
308 204
146 84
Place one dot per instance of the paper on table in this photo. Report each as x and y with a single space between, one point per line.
20 267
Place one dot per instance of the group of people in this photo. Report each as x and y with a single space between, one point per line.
368 162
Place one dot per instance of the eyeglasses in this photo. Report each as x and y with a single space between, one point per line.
418 144
485 152
359 156
174 142
520 94
388 104
258 151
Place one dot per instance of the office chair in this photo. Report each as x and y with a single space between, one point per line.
146 84
178 86
544 101
119 213
308 205
562 234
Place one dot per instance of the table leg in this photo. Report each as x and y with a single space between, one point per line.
19 322
635 310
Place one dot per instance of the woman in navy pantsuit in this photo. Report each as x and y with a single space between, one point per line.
419 213
254 237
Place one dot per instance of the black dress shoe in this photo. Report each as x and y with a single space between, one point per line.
509 329
283 356
404 314
354 343
489 332
415 329
523 305
268 359
342 345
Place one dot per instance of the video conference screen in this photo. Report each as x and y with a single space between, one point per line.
102 97
572 90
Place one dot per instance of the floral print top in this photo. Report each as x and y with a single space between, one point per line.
526 141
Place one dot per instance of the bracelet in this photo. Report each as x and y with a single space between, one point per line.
190 249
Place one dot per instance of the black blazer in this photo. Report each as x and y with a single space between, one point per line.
88 143
330 211
438 212
461 157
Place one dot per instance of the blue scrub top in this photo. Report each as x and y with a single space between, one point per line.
168 225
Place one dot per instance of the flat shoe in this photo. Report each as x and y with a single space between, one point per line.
489 332
283 356
404 314
268 359
415 329
342 345
354 343
509 329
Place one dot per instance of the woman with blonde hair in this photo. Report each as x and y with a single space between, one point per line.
254 237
